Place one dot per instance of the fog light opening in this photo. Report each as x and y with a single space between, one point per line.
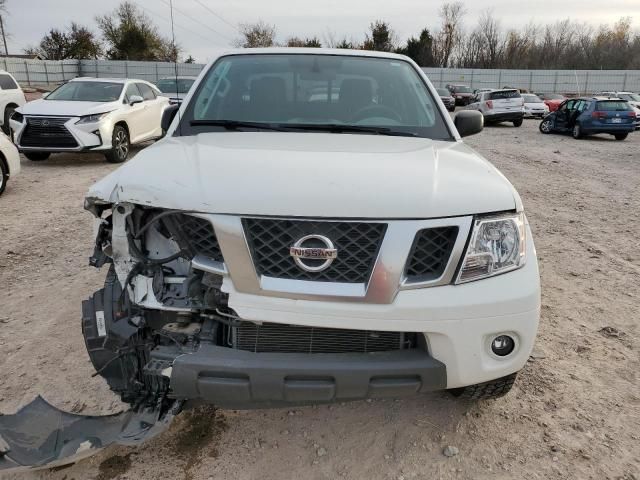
503 345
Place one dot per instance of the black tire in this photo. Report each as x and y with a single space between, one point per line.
37 156
621 136
6 127
517 123
546 126
120 145
482 391
4 176
452 109
576 132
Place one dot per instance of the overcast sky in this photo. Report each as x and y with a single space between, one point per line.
198 31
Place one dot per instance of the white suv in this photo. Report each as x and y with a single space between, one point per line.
90 115
284 247
11 97
499 106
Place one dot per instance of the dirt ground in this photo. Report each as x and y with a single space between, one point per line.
574 412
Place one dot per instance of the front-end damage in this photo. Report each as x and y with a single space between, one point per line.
153 308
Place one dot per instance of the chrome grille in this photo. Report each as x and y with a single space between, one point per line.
430 253
47 132
273 337
357 243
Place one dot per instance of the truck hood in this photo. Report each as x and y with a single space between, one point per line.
310 175
66 108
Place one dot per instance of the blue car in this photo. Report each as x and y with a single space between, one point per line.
588 116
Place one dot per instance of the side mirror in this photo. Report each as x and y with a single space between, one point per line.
468 122
168 115
133 99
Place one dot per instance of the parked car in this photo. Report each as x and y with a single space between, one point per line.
175 88
447 99
255 261
552 100
632 98
462 93
499 106
534 106
9 161
588 116
90 115
11 97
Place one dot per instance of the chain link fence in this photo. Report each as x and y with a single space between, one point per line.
51 72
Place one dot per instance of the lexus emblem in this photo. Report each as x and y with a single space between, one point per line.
45 123
313 253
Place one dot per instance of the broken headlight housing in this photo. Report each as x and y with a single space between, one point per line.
497 245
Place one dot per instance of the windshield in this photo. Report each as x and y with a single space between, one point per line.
304 92
443 92
634 97
169 85
87 92
460 89
531 99
504 94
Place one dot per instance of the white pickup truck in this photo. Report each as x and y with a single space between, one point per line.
311 229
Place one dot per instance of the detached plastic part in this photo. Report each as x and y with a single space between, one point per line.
41 436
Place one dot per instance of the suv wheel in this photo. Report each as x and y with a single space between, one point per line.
576 132
621 136
6 126
37 156
492 389
119 145
517 123
4 176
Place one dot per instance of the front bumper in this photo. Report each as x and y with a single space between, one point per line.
239 379
94 136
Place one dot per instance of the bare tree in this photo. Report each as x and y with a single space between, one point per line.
451 15
255 35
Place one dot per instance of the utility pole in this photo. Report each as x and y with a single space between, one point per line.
4 37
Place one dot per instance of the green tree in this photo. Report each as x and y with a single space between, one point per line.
420 49
76 42
381 38
131 35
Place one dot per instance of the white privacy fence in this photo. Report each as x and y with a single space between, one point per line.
46 72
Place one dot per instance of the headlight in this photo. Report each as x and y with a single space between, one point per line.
497 245
17 117
92 118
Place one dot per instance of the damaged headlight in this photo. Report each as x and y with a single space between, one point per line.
497 245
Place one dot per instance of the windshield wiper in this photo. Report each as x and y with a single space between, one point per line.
236 124
339 128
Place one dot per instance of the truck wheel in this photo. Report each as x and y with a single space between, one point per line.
517 123
119 145
37 156
621 136
576 132
492 389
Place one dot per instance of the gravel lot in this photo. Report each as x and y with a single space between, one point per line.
574 412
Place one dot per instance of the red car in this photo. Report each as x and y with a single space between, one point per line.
552 100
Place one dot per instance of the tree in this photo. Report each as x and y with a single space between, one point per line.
257 35
130 35
76 42
307 42
420 50
189 59
450 34
382 38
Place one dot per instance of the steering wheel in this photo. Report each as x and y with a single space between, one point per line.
376 111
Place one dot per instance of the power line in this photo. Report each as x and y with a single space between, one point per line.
190 30
218 16
199 22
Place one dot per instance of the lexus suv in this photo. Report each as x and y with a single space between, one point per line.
90 115
281 246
